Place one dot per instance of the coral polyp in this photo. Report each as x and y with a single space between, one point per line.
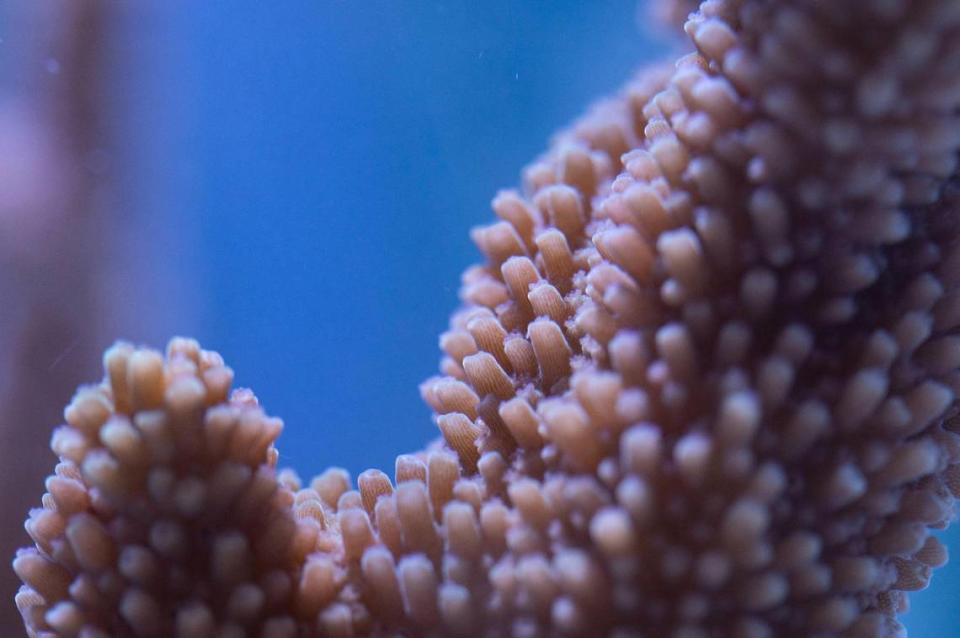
704 384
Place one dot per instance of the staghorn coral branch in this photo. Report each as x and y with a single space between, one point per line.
704 385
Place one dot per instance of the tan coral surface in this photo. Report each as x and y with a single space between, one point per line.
703 385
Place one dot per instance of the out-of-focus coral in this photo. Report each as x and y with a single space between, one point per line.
51 136
673 12
704 384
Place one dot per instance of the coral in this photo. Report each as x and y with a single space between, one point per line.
703 385
673 12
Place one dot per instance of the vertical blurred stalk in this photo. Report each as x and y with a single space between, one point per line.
53 170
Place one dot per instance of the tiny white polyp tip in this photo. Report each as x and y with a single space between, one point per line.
739 418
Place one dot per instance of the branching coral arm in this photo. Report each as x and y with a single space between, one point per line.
703 385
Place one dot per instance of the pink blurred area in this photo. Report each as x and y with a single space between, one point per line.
71 278
36 179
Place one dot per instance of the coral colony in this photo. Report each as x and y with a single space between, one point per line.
703 385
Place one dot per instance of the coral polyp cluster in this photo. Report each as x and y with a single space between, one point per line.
703 385
158 469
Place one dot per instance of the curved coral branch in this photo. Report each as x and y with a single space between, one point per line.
703 385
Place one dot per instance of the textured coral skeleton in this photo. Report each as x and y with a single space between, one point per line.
704 384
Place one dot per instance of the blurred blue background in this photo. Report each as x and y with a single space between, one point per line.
328 163
300 179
